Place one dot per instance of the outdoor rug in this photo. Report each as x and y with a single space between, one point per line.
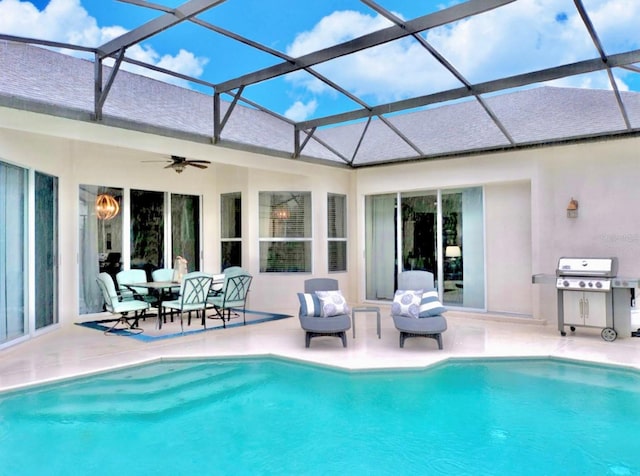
172 329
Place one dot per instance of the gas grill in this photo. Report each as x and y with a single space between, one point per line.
587 295
586 274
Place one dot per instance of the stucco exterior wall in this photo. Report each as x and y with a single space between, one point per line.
526 194
118 158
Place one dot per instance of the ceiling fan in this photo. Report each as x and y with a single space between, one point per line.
178 163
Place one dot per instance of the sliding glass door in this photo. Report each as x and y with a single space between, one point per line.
438 231
111 218
46 250
419 231
100 238
147 230
13 254
185 229
380 225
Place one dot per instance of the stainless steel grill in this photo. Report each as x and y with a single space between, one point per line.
584 294
586 274
591 294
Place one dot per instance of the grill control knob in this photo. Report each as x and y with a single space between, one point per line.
598 284
565 283
581 284
590 284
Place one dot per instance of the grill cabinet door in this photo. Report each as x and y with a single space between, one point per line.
573 308
585 308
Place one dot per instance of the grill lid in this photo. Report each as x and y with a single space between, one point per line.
588 267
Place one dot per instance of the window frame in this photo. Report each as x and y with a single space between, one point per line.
237 220
337 239
278 211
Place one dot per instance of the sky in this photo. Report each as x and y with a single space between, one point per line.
524 36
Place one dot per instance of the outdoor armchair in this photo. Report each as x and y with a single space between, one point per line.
312 320
193 296
233 295
129 309
162 274
429 322
131 276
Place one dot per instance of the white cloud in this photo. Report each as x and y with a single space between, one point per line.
338 27
67 21
299 111
521 37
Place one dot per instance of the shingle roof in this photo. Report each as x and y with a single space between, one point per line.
40 79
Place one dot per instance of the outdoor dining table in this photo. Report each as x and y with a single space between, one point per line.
165 288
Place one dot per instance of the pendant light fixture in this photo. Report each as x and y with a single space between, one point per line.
107 207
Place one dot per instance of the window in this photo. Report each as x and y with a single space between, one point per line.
231 229
285 232
337 231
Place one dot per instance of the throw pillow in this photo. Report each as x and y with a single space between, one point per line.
309 305
333 303
431 305
406 303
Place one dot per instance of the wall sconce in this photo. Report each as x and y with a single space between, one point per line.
452 252
572 208
107 207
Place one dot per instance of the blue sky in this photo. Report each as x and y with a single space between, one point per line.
524 36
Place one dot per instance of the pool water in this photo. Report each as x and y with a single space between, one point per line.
271 417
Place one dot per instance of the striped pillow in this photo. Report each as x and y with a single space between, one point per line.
431 305
310 305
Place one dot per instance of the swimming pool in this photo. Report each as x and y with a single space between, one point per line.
272 416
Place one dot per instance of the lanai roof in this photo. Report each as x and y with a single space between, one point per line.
459 117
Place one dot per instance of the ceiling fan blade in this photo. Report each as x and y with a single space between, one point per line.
199 161
156 161
197 165
170 166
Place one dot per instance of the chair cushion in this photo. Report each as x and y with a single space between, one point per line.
180 306
431 305
333 303
310 305
433 325
129 306
326 324
406 303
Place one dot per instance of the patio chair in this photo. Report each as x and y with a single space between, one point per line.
193 296
115 305
232 296
132 276
310 315
162 274
430 323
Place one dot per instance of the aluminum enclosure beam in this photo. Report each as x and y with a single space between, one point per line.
182 13
439 18
598 44
581 67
